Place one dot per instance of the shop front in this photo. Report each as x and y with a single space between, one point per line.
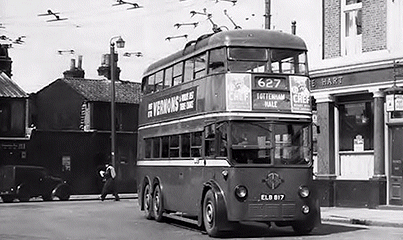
359 146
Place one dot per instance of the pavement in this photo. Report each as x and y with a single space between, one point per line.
382 216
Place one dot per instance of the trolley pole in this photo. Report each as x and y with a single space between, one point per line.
267 14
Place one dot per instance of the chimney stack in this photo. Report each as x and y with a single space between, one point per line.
105 68
5 60
75 72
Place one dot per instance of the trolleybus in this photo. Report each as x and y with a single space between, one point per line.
225 133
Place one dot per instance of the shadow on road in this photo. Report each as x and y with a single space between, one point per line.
255 230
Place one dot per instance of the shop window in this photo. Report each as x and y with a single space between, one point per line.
356 126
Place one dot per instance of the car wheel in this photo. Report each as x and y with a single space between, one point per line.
64 194
47 197
7 199
23 193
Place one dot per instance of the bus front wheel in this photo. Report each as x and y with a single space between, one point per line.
147 201
158 208
210 214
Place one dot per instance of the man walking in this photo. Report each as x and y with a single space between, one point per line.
109 187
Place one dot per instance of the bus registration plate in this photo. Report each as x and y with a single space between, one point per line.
272 197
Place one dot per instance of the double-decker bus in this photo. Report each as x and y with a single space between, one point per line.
225 133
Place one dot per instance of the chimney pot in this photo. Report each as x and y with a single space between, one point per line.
73 64
80 62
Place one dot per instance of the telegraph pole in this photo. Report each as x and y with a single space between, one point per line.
267 14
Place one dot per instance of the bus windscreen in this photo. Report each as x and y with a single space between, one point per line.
270 143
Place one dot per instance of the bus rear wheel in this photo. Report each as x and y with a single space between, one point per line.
147 201
157 204
210 214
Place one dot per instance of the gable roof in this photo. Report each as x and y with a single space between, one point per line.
100 90
8 88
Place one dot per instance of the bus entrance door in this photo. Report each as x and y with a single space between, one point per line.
396 165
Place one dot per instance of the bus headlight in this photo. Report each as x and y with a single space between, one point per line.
241 193
303 191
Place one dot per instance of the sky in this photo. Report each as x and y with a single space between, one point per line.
91 24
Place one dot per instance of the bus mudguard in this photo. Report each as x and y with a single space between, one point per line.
222 219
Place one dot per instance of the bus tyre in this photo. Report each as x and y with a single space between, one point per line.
301 228
157 201
147 201
210 214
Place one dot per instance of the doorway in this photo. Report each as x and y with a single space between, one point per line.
396 171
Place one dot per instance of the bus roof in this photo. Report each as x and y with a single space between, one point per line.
241 38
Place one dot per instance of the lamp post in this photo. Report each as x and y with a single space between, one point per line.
120 43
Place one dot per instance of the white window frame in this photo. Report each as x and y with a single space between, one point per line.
357 39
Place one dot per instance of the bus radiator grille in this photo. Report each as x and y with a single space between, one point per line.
264 211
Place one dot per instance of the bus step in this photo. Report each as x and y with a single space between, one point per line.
180 218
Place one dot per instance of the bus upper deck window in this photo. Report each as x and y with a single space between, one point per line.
177 73
247 54
217 61
159 81
168 77
288 61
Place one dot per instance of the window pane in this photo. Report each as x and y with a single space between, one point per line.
209 141
348 2
159 80
151 82
168 77
189 65
165 147
356 123
217 60
174 146
200 65
5 119
156 147
178 73
248 54
147 148
185 142
196 144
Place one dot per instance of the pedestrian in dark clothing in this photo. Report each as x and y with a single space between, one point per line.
109 176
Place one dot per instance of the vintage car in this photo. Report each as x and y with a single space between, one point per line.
25 182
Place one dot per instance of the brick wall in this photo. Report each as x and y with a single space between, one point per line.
374 14
332 28
374 25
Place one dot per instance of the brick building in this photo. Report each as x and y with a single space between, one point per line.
13 114
72 136
359 147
